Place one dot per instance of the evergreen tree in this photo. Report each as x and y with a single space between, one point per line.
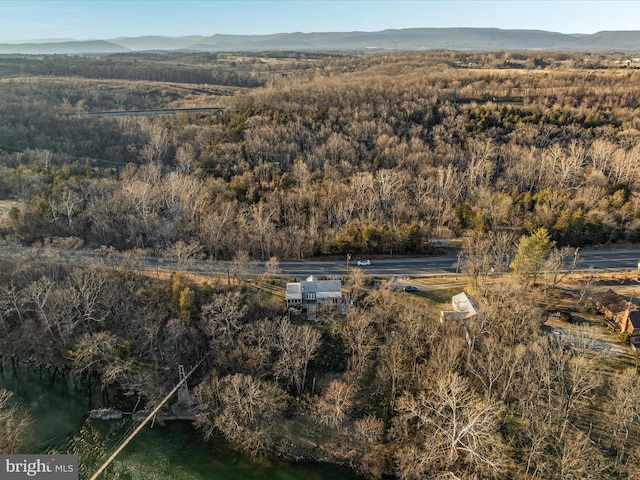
533 250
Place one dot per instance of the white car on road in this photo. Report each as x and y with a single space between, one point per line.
364 263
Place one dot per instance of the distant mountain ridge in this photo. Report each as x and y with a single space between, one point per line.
386 40
69 48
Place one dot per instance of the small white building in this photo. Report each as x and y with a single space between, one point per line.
314 292
464 308
464 316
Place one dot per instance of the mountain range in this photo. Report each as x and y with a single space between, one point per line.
411 39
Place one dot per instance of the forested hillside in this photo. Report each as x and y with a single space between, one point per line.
374 154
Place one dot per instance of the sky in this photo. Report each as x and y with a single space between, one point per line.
104 19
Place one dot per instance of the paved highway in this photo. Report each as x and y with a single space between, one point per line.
601 259
141 113
596 259
610 259
388 267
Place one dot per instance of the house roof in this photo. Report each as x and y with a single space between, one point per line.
464 303
613 302
310 286
464 307
323 295
322 288
294 291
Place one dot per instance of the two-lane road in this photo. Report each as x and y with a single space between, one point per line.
599 260
596 259
389 267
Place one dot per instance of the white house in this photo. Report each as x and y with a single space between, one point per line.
314 292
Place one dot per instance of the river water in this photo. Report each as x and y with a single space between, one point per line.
58 408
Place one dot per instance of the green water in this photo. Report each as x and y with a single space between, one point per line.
58 408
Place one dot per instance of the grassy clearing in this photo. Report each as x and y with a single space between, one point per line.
177 95
441 296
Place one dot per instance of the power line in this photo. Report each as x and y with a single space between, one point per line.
144 422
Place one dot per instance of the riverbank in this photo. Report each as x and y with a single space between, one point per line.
59 408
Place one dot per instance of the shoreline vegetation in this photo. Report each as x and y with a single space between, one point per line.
519 158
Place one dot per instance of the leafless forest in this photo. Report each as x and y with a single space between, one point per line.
324 155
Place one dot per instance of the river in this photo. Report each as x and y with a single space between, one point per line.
58 408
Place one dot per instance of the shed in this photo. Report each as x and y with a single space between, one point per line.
464 308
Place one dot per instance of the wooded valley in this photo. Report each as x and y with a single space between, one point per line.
370 154
327 155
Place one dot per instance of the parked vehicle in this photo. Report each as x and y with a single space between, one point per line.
410 288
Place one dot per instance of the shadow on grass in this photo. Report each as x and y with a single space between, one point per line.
440 295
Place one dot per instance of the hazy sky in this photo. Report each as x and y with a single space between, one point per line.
98 19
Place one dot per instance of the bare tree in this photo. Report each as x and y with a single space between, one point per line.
222 317
334 405
508 313
585 283
185 158
483 255
38 293
357 283
369 455
185 253
88 287
13 423
554 391
624 394
555 266
13 300
578 378
259 224
359 336
216 229
104 353
158 140
297 346
393 369
453 428
271 268
493 367
246 410
476 258
579 458
258 339
241 266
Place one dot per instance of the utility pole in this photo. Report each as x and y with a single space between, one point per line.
181 383
348 258
575 258
184 397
